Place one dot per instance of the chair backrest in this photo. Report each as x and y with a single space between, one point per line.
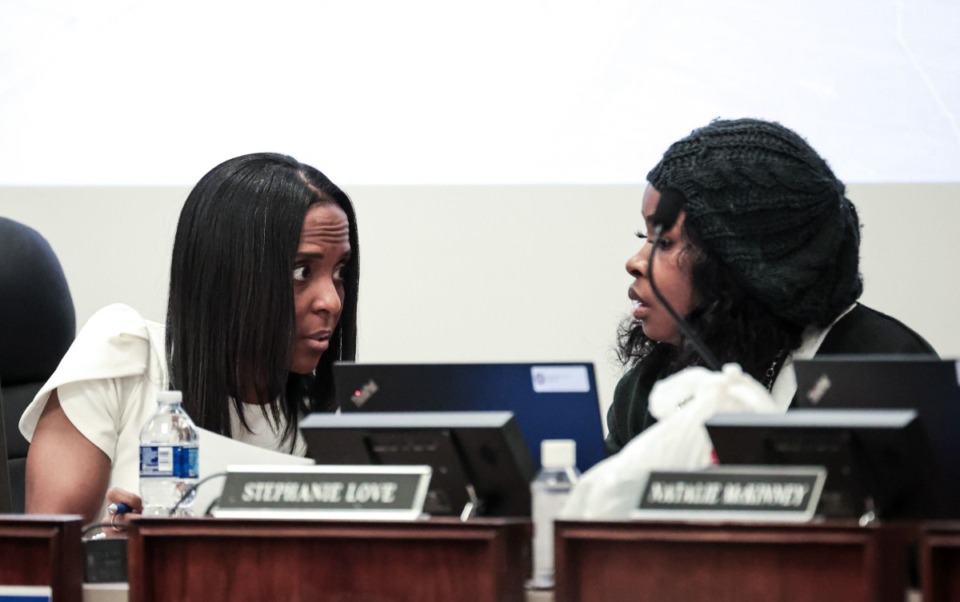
37 326
5 498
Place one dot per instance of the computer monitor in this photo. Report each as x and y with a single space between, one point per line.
481 465
927 384
877 461
549 400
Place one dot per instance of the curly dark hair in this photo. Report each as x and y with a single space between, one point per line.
772 241
732 323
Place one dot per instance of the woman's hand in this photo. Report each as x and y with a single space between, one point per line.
121 507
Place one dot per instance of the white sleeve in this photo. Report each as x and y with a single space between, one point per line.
97 408
104 366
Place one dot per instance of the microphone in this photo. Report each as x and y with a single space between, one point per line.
668 210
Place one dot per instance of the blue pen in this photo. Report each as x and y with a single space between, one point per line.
119 508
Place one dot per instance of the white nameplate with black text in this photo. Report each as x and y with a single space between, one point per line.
26 593
324 491
742 493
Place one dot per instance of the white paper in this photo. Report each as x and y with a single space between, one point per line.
217 452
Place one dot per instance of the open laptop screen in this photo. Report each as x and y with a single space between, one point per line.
929 385
549 400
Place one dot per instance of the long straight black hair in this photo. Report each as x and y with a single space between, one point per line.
230 314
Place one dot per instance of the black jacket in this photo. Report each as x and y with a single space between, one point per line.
861 331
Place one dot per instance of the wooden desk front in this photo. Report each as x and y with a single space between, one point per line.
42 550
730 561
235 559
940 561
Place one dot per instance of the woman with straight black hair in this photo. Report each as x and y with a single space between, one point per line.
263 300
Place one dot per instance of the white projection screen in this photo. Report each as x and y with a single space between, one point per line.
496 151
438 92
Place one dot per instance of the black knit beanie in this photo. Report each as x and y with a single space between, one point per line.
764 203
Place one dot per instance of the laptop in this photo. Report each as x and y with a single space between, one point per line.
549 400
927 384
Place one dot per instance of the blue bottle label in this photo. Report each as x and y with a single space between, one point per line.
169 461
186 462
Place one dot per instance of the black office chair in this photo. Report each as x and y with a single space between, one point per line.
5 499
37 326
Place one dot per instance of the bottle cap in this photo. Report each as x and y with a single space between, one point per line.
169 397
558 453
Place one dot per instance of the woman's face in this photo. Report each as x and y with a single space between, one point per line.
323 253
672 274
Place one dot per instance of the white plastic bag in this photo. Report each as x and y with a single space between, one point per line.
682 403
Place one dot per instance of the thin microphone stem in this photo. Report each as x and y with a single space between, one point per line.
708 358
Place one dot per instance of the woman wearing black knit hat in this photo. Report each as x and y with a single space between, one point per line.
763 262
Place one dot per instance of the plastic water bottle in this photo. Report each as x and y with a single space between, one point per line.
168 458
548 493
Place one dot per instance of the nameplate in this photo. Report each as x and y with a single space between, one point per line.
25 593
741 493
335 492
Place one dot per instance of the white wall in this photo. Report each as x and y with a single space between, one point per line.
491 273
